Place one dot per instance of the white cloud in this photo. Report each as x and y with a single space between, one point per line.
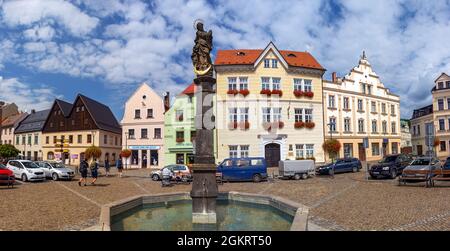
26 96
27 12
152 40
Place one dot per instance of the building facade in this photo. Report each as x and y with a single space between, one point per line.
28 135
434 124
8 126
406 144
359 106
179 128
6 111
70 128
269 104
143 129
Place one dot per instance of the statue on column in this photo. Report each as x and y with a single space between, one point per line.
201 58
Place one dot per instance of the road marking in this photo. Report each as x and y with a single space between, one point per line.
79 194
143 189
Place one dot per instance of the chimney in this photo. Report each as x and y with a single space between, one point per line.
33 111
334 77
166 101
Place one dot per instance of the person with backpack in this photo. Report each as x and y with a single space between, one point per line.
119 166
83 171
94 171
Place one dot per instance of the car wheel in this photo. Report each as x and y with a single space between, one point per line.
24 178
331 172
355 169
304 176
297 176
155 177
55 176
393 173
257 178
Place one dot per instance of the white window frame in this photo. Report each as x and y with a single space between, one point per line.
307 85
266 63
298 114
243 83
347 123
265 85
244 151
232 83
298 84
233 114
299 151
308 115
274 63
233 151
331 101
276 85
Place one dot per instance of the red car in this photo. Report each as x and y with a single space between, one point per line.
6 176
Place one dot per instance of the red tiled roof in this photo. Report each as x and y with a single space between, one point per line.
190 89
247 57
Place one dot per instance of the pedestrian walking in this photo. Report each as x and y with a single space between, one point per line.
107 167
83 171
119 166
94 171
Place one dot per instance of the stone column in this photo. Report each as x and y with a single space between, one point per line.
204 188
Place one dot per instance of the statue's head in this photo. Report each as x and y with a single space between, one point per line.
198 24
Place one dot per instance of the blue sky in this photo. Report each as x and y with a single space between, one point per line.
105 49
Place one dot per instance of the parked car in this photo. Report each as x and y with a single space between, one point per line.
340 166
390 166
243 169
178 169
6 176
446 165
423 164
56 170
296 169
26 170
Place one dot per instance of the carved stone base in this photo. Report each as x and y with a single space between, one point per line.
204 218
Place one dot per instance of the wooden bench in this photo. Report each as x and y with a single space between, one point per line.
440 175
425 176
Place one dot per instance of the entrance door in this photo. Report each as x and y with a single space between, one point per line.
419 150
144 159
273 155
361 152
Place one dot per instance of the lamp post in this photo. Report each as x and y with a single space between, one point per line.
126 147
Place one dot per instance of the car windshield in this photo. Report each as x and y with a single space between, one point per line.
29 165
2 166
388 159
57 165
420 162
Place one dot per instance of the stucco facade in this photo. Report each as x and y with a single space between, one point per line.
179 129
433 122
143 129
359 106
268 69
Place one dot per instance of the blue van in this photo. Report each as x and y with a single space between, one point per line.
243 169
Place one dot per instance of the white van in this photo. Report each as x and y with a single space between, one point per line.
26 170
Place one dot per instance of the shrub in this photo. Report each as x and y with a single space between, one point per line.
8 151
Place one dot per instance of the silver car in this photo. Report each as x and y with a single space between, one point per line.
178 170
422 164
56 170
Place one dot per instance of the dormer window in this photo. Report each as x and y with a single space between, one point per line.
240 53
266 63
440 85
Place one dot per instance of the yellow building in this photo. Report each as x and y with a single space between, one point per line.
269 104
359 106
71 128
432 123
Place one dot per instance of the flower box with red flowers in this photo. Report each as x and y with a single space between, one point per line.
244 92
244 125
280 124
267 126
265 92
277 92
298 93
310 125
180 118
309 94
233 125
180 140
232 92
299 124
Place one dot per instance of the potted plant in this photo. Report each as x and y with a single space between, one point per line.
332 146
298 93
232 92
299 158
277 92
125 153
309 94
265 92
310 125
299 124
244 92
93 152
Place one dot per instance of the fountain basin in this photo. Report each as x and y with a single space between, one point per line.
235 211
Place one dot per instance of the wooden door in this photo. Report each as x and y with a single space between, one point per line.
361 152
273 155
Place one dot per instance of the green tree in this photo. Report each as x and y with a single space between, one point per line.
8 151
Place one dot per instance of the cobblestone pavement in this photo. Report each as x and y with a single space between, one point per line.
347 202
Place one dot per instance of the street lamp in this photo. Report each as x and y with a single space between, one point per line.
331 125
